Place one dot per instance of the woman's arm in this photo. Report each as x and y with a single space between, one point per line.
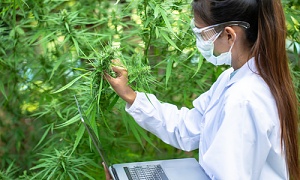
179 127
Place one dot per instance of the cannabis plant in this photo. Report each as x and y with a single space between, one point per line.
53 50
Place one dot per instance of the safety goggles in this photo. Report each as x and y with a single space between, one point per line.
211 33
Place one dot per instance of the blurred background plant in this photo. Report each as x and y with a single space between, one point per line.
53 50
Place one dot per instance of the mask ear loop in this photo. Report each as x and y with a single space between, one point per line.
232 43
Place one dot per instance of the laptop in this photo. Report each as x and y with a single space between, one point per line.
172 169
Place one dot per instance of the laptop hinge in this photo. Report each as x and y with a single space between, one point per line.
114 173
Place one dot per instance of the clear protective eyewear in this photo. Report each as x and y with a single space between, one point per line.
211 33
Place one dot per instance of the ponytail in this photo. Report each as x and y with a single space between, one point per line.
272 63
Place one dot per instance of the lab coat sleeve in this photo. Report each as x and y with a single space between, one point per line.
241 145
177 127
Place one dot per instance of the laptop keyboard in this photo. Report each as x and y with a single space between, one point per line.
147 172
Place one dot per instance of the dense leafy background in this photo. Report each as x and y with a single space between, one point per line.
51 50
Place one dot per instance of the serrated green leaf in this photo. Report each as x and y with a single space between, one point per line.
200 62
156 32
69 122
167 22
44 136
51 174
169 40
20 31
295 21
79 135
100 90
67 27
85 174
2 90
113 102
42 40
133 128
70 83
145 136
56 65
76 45
169 70
71 176
138 132
156 11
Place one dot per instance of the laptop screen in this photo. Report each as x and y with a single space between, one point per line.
91 133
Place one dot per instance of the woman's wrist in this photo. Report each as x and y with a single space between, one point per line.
129 95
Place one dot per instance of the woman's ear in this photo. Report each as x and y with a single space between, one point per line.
230 34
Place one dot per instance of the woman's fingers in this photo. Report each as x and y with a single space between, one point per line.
120 78
107 76
107 174
120 71
117 62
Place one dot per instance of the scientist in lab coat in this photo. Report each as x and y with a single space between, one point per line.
245 125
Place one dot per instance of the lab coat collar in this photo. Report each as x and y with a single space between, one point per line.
248 68
245 70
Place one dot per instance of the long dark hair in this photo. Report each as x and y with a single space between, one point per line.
266 36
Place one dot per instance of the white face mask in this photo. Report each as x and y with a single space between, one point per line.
207 35
207 51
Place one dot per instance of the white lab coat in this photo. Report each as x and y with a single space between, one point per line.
235 125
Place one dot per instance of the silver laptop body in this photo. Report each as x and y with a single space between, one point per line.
173 169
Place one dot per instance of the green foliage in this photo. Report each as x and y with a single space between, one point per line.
60 165
292 12
53 50
9 172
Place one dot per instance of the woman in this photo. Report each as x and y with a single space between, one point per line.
245 126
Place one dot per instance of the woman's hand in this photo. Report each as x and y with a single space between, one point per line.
107 174
120 82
